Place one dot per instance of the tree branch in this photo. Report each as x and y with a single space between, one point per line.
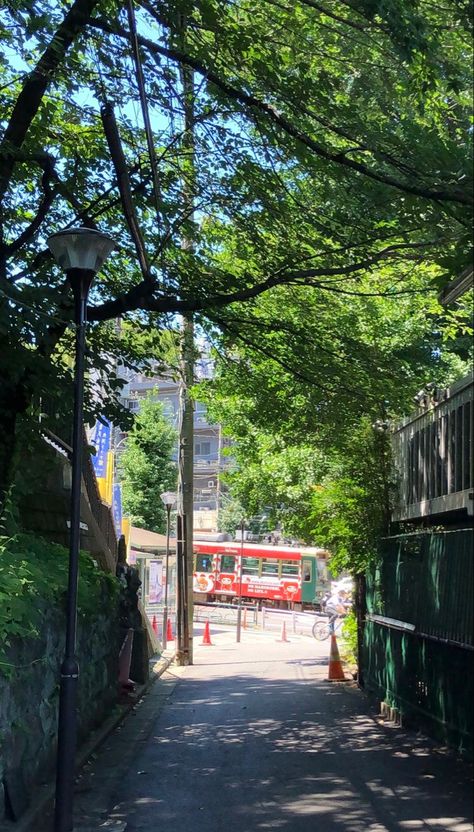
36 84
120 166
464 197
141 296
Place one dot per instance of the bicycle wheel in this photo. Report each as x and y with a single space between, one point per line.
321 631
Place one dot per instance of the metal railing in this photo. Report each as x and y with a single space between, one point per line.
298 622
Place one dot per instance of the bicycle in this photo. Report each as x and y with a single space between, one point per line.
321 630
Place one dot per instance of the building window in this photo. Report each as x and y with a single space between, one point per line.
202 449
168 409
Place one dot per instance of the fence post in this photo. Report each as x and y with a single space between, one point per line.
293 617
263 618
361 610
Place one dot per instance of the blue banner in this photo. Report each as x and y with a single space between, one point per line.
101 442
117 509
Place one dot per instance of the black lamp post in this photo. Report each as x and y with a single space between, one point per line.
81 252
168 499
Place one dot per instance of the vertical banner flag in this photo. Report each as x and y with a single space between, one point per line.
155 589
117 508
109 477
101 442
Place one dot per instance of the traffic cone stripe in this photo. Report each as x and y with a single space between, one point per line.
283 633
206 639
335 670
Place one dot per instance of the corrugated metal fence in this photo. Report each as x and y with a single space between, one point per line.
418 645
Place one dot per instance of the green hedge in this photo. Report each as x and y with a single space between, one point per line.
33 577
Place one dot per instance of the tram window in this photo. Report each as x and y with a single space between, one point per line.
269 567
306 571
227 563
250 566
289 567
203 563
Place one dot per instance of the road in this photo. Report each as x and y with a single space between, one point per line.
253 737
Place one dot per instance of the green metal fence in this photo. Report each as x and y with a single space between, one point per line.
417 653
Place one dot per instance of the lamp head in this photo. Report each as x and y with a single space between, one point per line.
168 498
81 249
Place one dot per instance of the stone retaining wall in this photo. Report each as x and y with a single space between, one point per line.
29 695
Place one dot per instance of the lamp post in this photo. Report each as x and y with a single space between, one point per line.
239 606
81 252
168 499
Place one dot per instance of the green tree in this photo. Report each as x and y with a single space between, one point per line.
299 383
328 139
147 468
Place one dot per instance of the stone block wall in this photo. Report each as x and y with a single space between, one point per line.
29 694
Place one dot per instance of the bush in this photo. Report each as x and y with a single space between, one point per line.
349 634
33 578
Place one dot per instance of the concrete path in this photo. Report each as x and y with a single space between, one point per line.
253 737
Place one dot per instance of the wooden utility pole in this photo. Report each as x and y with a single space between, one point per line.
184 652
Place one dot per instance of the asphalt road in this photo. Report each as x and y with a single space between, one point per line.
253 737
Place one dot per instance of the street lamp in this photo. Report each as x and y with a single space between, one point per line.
168 499
239 607
80 252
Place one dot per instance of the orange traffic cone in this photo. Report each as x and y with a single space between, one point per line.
206 639
244 622
336 672
283 633
154 625
169 631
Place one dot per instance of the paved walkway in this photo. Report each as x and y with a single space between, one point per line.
253 737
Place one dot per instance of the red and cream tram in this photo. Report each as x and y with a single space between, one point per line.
282 575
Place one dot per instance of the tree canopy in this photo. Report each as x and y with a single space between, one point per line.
329 157
301 381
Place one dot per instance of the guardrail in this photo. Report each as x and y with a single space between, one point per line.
224 613
298 622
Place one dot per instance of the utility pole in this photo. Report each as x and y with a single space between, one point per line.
239 597
184 552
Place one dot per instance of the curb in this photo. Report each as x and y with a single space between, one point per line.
43 796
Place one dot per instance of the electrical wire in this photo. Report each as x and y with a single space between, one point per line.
144 105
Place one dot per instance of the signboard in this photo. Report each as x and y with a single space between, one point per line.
101 442
117 508
155 585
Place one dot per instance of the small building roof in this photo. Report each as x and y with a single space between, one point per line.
143 539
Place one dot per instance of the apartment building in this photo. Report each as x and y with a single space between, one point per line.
209 461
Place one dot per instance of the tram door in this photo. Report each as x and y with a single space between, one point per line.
309 575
